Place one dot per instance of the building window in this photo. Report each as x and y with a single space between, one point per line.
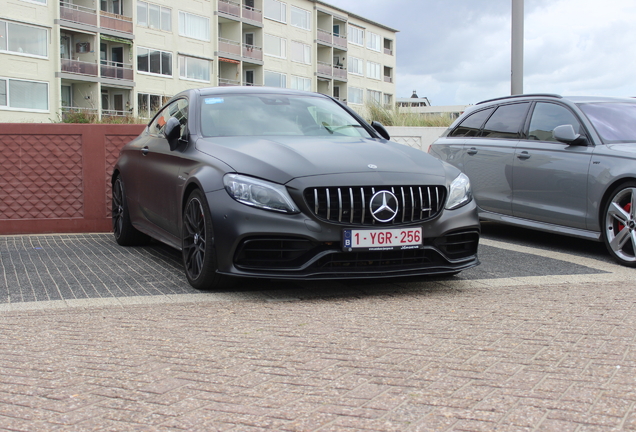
36 1
356 66
356 35
300 18
275 10
194 68
388 99
149 104
23 39
373 42
275 46
299 52
374 96
154 61
154 16
355 95
374 70
300 83
194 26
24 95
275 79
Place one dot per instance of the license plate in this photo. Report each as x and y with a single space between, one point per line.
382 239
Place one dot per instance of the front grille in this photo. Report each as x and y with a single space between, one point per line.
350 205
459 245
273 253
385 261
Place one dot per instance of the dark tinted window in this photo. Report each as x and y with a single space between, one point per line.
506 122
472 124
614 122
178 109
547 116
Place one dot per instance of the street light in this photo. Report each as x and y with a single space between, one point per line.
516 76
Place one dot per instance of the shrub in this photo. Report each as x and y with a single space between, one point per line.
394 117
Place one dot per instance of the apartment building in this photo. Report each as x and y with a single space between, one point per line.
127 57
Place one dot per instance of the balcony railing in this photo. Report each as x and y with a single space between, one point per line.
249 84
388 51
110 69
252 52
228 82
252 14
340 41
74 114
324 36
325 68
230 7
78 14
114 113
388 79
116 22
339 72
229 46
79 67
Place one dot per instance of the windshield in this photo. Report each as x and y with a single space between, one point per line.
615 122
272 114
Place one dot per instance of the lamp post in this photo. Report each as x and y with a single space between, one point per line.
516 76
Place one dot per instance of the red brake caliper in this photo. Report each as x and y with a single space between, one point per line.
627 208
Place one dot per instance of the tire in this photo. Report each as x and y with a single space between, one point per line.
619 224
199 256
125 233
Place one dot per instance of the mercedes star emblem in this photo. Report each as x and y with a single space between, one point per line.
384 206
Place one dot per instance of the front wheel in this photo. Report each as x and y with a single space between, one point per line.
125 233
619 224
199 256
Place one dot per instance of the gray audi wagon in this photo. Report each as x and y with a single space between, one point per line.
560 164
283 184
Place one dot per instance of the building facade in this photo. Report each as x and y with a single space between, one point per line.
127 57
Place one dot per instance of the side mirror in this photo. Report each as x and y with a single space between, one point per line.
173 133
379 127
565 134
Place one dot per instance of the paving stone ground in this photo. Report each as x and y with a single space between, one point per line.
405 356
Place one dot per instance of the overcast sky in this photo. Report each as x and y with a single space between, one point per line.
457 52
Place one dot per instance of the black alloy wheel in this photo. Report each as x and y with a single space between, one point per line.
125 233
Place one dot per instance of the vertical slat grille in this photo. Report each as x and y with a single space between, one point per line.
351 205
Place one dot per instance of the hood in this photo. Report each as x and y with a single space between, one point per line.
281 159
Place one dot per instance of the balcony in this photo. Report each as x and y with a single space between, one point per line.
116 70
78 14
79 67
229 46
116 22
223 82
388 51
325 68
230 8
340 41
340 72
324 36
252 14
114 113
253 52
75 114
388 79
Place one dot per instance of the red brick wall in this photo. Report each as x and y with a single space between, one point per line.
55 178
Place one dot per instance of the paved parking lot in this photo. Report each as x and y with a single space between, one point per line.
541 336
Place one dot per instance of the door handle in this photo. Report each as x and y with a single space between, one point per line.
472 151
145 150
523 155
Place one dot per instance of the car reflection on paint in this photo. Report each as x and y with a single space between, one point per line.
282 184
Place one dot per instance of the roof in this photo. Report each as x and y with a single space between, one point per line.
356 16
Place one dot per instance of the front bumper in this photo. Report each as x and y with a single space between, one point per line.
252 242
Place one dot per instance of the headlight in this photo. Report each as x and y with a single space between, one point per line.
259 193
460 192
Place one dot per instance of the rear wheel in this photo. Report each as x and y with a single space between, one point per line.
199 256
619 224
125 233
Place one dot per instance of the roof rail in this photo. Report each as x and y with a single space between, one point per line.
522 95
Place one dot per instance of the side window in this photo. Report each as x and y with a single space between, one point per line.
506 122
472 124
178 109
547 116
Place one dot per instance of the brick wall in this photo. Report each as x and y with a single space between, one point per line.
55 178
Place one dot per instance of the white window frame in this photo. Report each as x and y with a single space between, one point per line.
374 96
307 17
355 35
41 3
305 52
268 8
183 26
371 66
282 76
374 42
162 101
6 23
282 46
8 106
351 91
356 66
388 96
161 11
295 83
154 73
183 60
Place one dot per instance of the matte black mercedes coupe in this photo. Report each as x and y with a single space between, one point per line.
282 184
